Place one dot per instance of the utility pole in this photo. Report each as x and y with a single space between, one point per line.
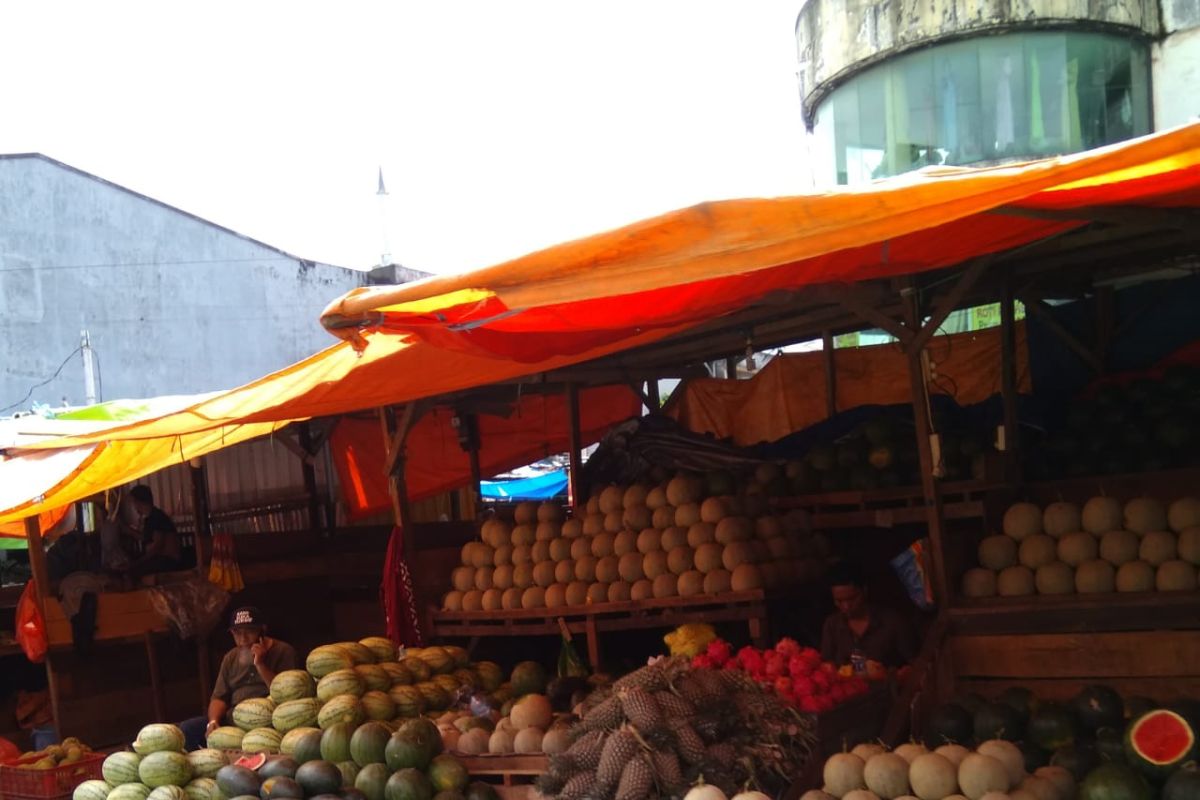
89 367
385 257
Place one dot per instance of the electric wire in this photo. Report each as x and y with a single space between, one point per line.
37 386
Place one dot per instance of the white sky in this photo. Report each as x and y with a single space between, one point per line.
501 127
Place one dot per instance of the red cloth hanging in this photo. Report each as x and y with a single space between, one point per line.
396 593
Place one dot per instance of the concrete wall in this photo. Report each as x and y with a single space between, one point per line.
1176 65
837 38
174 304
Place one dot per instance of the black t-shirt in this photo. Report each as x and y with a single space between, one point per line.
156 521
888 639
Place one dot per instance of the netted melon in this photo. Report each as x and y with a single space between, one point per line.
629 567
954 753
1144 514
619 591
1102 514
1037 550
581 548
1061 517
492 600
564 571
560 549
1015 581
865 750
843 774
543 573
654 564
1007 754
585 568
1157 547
483 578
979 582
997 552
556 595
689 584
1188 545
500 742
656 498
666 585
1119 547
1055 578
453 600
597 593
672 537
1184 513
910 750
649 541
602 544
714 509
1175 576
612 499
540 551
687 515
635 495
701 533
1076 548
511 598
1022 520
607 569
533 597
1135 576
718 581
1095 577
472 600
979 774
680 559
745 578
503 555
734 529
933 776
635 518
642 590
614 522
463 578
734 554
572 528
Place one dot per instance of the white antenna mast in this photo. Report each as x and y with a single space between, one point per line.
89 367
385 257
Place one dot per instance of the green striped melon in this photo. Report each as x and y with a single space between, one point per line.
335 742
378 706
168 792
158 736
203 789
358 653
371 780
397 672
439 660
340 682
326 659
381 647
466 677
449 683
349 772
262 740
206 762
490 675
226 737
121 767
253 713
344 708
368 742
165 768
436 698
302 744
92 790
295 714
292 684
374 677
129 791
408 784
419 669
409 701
458 655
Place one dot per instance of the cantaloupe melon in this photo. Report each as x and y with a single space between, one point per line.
1095 577
502 556
635 495
735 554
453 600
597 593
629 567
886 774
1175 576
556 740
1103 514
612 499
512 598
593 503
1037 550
532 711
656 498
572 528
560 549
502 577
1054 578
522 554
713 510
979 774
483 578
492 600
528 740
865 750
564 571
1144 514
500 742
593 524
680 559
483 555
979 582
1157 547
649 540
843 773
689 584
585 568
654 564
1015 581
1135 576
672 537
642 590
998 552
472 600
463 578
543 573
708 557
624 542
637 517
1118 547
577 592
614 522
523 535
1061 777
547 531
549 511
619 591
666 585
602 544
1061 517
533 597
752 505
910 750
718 581
683 489
1040 788
745 578
474 742
581 547
933 776
663 517
734 529
954 753
540 551
1007 754
1076 548
607 569
1184 513
1188 545
556 595
701 533
1022 520
687 515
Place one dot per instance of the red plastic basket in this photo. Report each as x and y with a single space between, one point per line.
47 784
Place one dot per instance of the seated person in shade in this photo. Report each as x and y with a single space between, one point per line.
162 549
859 627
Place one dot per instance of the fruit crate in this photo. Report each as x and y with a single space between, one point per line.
18 783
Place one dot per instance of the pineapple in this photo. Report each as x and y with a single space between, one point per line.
640 708
618 750
636 780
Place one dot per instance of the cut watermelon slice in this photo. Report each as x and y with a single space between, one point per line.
253 761
1159 741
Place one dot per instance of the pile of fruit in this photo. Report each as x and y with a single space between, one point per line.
69 751
376 764
660 730
1106 546
794 673
688 536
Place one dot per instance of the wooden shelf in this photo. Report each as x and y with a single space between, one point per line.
1077 613
886 508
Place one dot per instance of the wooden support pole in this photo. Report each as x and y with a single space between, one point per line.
952 300
1106 323
653 395
160 706
41 578
1008 381
830 374
472 420
309 473
1041 310
850 300
731 368
395 433
55 703
202 527
575 449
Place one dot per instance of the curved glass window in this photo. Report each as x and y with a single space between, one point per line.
991 98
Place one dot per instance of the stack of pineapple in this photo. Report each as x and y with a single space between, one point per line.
659 730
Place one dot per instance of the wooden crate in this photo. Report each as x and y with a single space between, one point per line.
887 508
512 776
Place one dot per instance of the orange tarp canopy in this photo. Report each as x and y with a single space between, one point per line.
636 285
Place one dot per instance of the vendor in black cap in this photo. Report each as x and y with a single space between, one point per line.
246 671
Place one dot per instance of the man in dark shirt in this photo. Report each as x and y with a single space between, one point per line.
246 671
859 627
162 550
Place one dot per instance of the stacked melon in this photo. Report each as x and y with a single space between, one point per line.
1106 546
155 769
689 536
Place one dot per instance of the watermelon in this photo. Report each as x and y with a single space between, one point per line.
998 721
158 737
1033 756
292 684
1098 707
129 791
168 792
319 777
374 677
435 696
340 682
295 714
165 768
478 790
92 790
235 781
1052 726
529 677
335 742
1110 745
1183 785
276 766
121 767
438 660
368 743
419 670
358 653
252 760
447 774
490 676
378 705
253 713
326 659
226 737
382 648
302 744
949 724
206 762
371 781
1136 705
408 784
1020 700
349 772
351 793
262 740
344 708
414 745
398 673
1159 742
409 701
1078 759
281 787
203 789
1114 782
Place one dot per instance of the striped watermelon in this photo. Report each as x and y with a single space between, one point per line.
340 682
418 668
335 743
121 767
168 792
378 706
156 737
343 708
409 701
326 659
436 698
349 772
466 677
397 672
490 675
438 659
449 683
129 791
374 677
165 768
262 740
382 648
253 713
458 655
292 684
226 737
293 743
203 789
358 653
295 714
206 762
92 790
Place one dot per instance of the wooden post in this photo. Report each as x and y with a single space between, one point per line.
202 528
395 432
1106 323
731 368
472 421
653 395
830 374
574 448
160 707
309 472
1008 381
41 578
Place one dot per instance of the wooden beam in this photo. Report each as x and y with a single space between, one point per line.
1008 380
1120 215
653 395
201 520
731 368
37 560
308 474
292 446
397 431
574 449
952 299
640 391
852 301
1045 315
830 373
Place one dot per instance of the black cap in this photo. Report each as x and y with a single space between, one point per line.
246 617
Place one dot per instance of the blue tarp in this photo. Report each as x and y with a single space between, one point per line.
540 487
